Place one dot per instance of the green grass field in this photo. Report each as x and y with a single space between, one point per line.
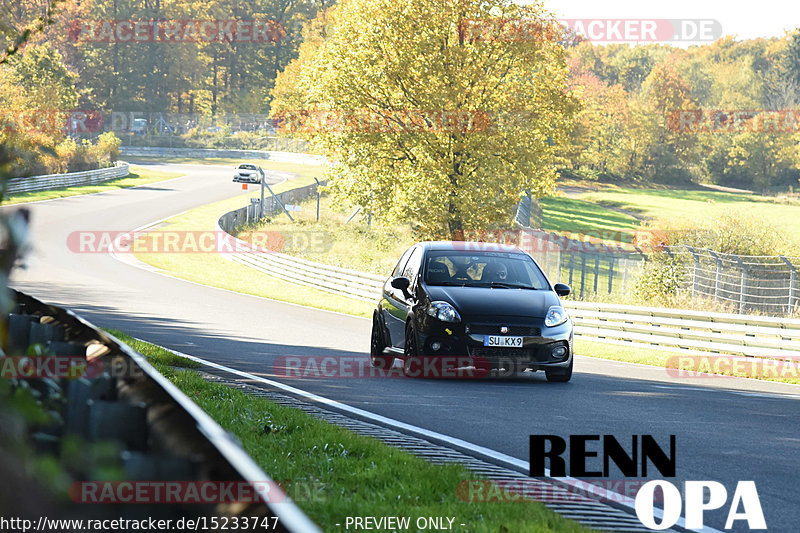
139 176
332 473
782 212
564 214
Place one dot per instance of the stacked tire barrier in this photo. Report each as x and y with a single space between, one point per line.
112 419
70 179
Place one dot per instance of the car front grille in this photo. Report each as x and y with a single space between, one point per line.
506 354
513 330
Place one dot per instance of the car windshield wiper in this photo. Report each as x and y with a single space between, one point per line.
510 285
450 283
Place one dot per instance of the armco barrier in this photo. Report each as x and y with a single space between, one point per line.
249 213
161 434
278 157
71 179
679 330
687 331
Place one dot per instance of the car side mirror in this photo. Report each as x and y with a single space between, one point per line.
562 289
403 284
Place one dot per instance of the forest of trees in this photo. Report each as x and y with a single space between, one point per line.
627 128
622 130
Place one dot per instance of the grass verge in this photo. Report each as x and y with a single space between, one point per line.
138 176
217 271
688 366
354 245
332 473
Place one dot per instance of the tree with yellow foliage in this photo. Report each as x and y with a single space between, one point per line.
441 113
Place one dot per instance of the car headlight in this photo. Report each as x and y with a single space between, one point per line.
444 312
555 316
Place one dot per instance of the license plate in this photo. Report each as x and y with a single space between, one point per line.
502 342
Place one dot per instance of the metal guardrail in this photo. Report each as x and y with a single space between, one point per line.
70 179
278 157
679 330
232 220
163 432
687 331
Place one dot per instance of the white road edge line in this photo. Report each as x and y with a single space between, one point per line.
425 433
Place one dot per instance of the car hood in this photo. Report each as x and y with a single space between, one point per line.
471 301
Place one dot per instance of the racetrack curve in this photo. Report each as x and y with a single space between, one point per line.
727 429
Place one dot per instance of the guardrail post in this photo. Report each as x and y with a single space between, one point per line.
610 271
263 177
696 268
716 277
318 195
743 286
583 272
571 266
596 270
792 276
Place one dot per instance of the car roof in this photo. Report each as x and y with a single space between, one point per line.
469 246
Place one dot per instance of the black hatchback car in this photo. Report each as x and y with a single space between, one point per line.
471 307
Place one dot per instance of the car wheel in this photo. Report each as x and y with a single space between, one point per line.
412 364
562 375
377 345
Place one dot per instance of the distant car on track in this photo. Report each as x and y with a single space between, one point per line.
482 305
248 173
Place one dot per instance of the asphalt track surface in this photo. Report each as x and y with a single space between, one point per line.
727 429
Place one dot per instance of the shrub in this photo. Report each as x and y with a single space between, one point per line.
728 233
106 151
659 280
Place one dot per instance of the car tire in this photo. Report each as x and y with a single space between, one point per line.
562 375
412 363
377 345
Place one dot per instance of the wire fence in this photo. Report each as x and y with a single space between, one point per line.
590 267
595 265
739 283
766 284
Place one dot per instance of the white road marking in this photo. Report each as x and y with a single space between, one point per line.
494 455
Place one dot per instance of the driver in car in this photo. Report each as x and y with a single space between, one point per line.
496 272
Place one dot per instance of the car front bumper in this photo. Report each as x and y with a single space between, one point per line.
464 342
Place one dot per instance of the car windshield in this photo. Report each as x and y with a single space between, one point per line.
483 269
247 167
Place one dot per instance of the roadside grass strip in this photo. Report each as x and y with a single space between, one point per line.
138 176
215 270
332 473
695 366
